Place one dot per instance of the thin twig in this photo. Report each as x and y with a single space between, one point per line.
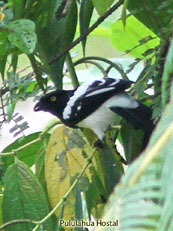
30 143
15 222
90 29
111 63
64 198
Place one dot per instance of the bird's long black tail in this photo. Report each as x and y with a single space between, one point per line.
140 117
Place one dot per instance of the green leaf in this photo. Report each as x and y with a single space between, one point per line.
28 154
24 198
22 35
3 60
86 11
102 5
111 167
124 13
10 110
130 38
4 51
167 76
78 204
18 8
96 194
153 14
131 140
4 44
61 33
165 121
40 169
70 26
14 61
1 200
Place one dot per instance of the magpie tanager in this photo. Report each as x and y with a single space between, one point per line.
95 104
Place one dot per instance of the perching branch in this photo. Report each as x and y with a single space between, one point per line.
90 29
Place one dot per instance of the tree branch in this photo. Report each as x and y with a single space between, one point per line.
90 29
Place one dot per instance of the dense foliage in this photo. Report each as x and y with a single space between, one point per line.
59 174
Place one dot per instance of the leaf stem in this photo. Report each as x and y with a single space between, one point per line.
71 70
14 222
64 198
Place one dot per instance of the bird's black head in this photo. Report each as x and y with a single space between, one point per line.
53 102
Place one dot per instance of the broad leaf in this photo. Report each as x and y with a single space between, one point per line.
60 34
22 35
131 140
18 7
24 198
167 77
135 39
154 14
26 155
65 159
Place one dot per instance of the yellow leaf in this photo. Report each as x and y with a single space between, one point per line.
2 16
65 158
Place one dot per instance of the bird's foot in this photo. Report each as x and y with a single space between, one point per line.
98 144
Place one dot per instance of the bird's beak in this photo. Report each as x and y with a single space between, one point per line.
38 107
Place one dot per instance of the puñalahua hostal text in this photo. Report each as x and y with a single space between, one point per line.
82 223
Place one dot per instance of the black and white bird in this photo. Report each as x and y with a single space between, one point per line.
95 104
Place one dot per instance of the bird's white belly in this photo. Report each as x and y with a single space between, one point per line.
99 120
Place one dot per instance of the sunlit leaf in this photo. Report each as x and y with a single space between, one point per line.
128 39
153 14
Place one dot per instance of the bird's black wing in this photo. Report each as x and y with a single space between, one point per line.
89 96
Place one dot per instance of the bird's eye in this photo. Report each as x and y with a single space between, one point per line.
53 98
